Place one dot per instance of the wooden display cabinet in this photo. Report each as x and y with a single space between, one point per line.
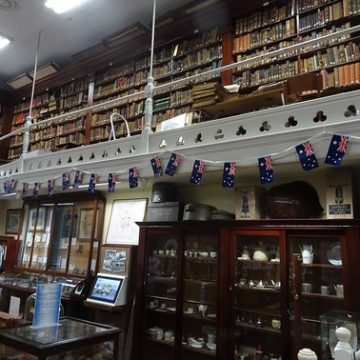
241 288
9 247
59 241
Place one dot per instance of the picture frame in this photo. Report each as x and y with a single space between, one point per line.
40 224
86 217
122 227
115 259
12 225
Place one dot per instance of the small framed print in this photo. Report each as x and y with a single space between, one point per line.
86 219
40 223
115 259
12 221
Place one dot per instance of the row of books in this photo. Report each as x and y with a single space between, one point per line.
351 7
170 113
262 18
333 56
72 100
322 32
264 50
341 76
165 53
264 36
103 133
73 87
304 5
70 127
274 72
161 103
321 17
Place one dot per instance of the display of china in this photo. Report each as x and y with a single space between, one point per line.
307 254
339 289
202 309
245 254
306 354
260 255
169 335
196 343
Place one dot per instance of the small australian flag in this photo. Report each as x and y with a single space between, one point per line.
65 181
173 164
228 179
92 183
337 150
50 186
133 178
266 169
25 189
111 182
36 189
156 166
197 172
77 179
306 156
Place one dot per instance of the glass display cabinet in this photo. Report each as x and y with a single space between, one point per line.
72 339
257 283
59 241
241 289
177 314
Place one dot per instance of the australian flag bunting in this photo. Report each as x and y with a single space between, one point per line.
111 182
50 186
197 172
25 189
77 179
173 164
306 156
228 179
133 178
9 186
337 150
266 169
92 183
36 189
65 181
156 166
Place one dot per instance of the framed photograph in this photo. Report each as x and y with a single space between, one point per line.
115 259
122 225
12 221
40 224
86 219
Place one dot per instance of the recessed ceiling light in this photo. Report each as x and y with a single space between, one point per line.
4 41
61 6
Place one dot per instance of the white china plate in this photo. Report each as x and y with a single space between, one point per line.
171 309
211 316
186 312
333 254
211 346
196 346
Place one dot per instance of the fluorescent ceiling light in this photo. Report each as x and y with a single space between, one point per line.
61 6
44 71
20 81
4 41
200 6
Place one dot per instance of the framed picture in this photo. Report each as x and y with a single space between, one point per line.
12 221
122 225
40 224
115 259
86 219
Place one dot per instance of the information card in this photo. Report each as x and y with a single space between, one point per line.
47 305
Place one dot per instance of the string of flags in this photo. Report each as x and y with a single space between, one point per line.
307 158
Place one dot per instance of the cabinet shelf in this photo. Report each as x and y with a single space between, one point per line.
200 318
322 266
264 329
321 296
164 298
254 288
161 341
314 8
203 350
199 281
257 312
265 262
209 303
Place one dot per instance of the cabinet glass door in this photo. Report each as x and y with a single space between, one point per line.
317 283
200 295
161 292
256 288
60 248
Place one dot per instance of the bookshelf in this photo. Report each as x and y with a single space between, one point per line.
52 137
177 59
275 27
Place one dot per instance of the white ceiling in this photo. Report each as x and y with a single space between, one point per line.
66 34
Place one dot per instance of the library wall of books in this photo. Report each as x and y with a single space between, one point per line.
335 63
